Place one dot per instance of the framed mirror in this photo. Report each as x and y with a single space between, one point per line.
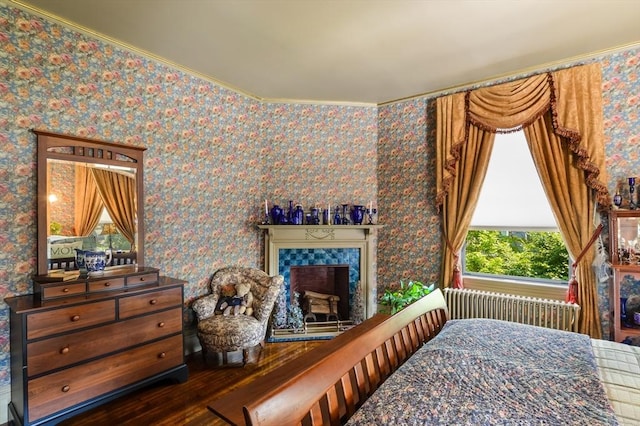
90 197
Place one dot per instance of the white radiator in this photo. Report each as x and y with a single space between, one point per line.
465 303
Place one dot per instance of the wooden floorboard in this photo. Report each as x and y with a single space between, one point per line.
186 404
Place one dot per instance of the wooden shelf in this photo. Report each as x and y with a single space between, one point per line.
624 238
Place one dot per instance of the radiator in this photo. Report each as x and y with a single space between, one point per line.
466 303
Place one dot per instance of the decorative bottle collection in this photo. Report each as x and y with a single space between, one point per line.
343 214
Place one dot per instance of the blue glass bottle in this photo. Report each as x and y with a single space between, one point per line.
290 212
337 220
298 215
315 216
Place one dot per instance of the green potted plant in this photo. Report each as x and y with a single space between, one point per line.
55 228
397 299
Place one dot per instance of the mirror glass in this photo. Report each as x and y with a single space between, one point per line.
79 221
90 199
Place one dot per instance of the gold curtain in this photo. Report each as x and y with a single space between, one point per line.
466 177
560 112
88 204
119 195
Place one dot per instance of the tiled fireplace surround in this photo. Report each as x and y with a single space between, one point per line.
305 245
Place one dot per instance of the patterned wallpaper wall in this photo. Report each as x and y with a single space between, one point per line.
409 244
214 155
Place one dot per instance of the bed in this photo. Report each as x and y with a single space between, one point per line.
418 368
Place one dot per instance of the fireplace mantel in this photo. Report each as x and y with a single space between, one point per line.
362 237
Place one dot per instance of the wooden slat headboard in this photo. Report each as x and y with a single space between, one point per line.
326 385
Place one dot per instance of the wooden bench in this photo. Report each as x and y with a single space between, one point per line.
326 385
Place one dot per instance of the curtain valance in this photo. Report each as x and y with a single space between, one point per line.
569 94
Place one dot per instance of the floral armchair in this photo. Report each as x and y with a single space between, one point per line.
228 333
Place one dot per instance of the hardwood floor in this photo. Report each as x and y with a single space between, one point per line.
186 404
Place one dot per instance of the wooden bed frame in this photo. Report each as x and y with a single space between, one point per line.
326 385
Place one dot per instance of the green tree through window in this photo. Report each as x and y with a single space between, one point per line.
538 254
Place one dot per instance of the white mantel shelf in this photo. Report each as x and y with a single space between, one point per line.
373 226
362 237
320 232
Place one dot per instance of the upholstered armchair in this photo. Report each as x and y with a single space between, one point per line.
228 333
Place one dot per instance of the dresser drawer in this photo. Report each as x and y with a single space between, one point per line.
57 352
42 324
147 302
134 280
60 390
52 291
106 284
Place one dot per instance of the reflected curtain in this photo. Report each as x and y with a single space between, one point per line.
118 193
88 203
561 115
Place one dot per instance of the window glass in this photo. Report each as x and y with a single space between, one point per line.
512 195
513 232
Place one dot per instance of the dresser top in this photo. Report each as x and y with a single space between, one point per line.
110 272
28 302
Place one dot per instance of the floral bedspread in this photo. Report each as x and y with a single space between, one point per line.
488 372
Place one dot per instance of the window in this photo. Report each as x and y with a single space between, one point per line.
513 232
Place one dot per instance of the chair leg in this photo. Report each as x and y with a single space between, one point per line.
245 356
260 352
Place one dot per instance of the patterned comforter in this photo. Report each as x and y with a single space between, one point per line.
488 372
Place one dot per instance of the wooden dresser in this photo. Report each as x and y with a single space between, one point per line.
79 343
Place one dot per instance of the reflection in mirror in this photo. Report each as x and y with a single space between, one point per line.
91 207
89 198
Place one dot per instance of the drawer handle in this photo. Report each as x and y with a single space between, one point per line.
66 388
107 284
153 301
141 278
64 350
65 290
75 318
162 355
161 324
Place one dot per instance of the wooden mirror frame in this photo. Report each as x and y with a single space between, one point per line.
83 150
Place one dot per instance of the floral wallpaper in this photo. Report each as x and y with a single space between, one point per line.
409 244
214 155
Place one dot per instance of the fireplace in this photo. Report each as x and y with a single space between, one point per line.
324 279
319 252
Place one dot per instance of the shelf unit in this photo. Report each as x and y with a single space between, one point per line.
624 238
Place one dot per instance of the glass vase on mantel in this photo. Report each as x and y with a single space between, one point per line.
298 216
276 214
357 214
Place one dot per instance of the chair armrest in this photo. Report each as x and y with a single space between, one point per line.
205 306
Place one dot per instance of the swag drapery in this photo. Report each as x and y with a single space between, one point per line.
561 116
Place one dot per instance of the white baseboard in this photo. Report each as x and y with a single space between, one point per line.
5 398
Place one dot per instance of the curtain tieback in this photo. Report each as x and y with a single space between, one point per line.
572 290
456 280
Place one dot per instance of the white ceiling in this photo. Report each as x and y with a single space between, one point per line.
355 51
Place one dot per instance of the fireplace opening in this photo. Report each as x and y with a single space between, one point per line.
325 279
